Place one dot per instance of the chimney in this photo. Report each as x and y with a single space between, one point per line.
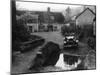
48 10
84 7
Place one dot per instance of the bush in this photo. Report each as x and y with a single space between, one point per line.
51 52
67 29
48 57
19 34
20 31
91 41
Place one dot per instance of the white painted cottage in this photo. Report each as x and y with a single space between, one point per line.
33 23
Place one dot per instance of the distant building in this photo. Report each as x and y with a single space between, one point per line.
40 20
51 18
48 17
85 18
32 22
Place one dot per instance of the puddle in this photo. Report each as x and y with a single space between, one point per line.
68 62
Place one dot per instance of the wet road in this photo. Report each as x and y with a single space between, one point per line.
75 54
58 38
66 64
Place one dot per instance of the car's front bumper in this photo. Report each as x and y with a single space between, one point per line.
67 46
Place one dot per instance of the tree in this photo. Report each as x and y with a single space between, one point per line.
68 14
13 11
19 31
67 29
59 18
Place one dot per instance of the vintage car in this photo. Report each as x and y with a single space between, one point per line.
70 41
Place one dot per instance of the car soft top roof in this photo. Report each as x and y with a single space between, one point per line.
69 34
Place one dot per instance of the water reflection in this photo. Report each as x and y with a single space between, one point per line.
68 62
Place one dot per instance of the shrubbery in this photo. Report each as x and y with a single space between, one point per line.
19 31
49 55
67 29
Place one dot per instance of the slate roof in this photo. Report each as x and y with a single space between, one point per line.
84 11
43 13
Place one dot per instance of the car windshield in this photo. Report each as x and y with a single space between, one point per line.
69 34
69 37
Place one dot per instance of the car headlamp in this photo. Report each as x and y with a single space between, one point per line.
64 41
76 40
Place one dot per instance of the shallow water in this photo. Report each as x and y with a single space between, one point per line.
67 62
64 63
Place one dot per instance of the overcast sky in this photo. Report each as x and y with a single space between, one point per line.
36 6
43 6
